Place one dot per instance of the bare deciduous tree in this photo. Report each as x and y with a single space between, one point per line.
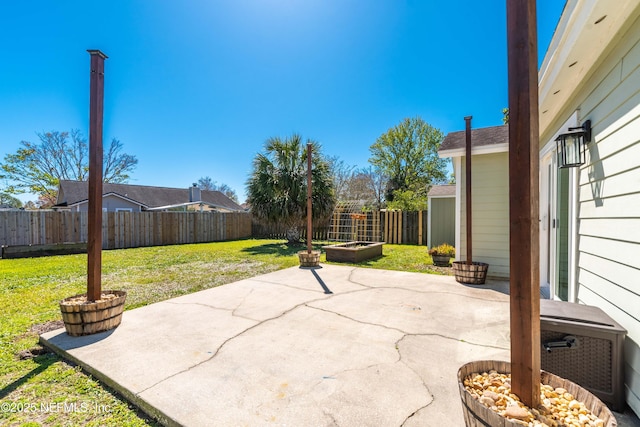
206 183
38 167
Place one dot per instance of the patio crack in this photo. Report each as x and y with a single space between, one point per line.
232 310
228 340
426 291
244 298
355 320
426 387
350 279
429 292
406 420
405 334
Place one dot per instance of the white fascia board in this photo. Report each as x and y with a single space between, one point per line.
445 196
485 149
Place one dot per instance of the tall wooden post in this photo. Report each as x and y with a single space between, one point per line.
309 201
524 246
467 121
94 244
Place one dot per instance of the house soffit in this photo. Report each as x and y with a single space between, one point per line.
584 33
460 152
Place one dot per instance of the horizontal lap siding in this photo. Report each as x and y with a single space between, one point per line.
490 198
609 199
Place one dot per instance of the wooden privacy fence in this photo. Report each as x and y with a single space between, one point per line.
135 229
279 232
123 229
404 227
380 226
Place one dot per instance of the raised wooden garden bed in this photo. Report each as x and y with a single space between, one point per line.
353 251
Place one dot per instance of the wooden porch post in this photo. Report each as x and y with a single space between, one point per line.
309 199
524 246
94 244
467 121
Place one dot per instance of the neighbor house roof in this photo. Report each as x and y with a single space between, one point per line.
487 140
8 208
448 190
74 192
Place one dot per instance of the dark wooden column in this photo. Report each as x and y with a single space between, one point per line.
524 245
94 244
468 200
309 201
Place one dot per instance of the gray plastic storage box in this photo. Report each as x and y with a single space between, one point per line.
583 344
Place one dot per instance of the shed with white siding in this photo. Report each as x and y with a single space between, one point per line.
441 220
490 195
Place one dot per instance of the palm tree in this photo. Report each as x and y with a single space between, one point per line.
277 187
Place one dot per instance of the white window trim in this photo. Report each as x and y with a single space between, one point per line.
551 147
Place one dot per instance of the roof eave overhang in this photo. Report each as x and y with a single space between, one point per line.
585 30
475 151
186 204
442 196
120 196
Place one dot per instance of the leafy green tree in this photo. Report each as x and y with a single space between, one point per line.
505 116
206 183
38 167
407 200
408 155
10 201
277 187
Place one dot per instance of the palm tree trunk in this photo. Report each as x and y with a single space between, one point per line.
293 235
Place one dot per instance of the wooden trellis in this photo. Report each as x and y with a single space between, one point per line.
352 222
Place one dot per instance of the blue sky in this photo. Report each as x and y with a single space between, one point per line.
194 88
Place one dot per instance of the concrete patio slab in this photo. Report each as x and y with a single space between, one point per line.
336 345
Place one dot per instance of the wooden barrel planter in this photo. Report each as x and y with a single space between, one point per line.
84 318
471 274
441 260
309 259
477 414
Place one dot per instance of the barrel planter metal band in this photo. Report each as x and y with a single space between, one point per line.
478 415
309 259
471 274
92 317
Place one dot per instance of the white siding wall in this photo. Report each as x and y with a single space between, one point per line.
609 198
490 198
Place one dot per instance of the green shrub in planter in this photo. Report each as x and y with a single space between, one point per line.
444 250
442 254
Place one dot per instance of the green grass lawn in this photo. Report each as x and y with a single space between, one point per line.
44 390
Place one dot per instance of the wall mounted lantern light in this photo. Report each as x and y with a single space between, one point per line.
571 145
